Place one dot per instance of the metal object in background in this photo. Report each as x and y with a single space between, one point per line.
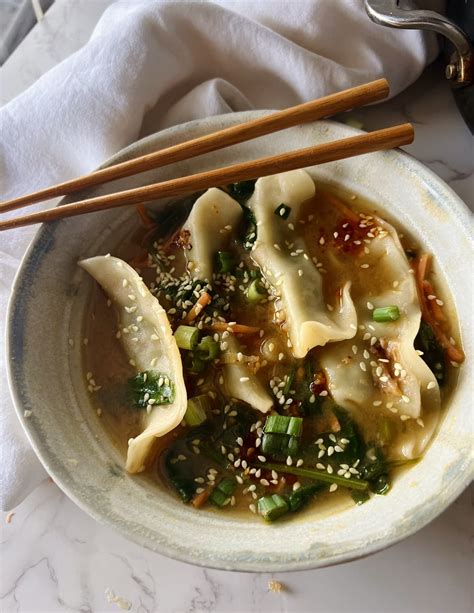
457 28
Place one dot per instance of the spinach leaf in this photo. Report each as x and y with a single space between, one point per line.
433 353
151 387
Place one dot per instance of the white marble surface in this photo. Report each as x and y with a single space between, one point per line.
55 558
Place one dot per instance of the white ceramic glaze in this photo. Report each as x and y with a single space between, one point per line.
46 375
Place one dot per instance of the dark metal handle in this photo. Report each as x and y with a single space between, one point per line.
388 13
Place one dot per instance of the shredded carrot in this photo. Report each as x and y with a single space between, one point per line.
222 326
202 302
146 220
201 499
431 311
342 207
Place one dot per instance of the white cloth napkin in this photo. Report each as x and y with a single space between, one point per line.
152 64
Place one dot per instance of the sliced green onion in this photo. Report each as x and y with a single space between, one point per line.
225 261
289 382
388 313
272 507
256 291
208 349
284 424
196 410
281 435
317 475
186 337
283 211
222 492
194 364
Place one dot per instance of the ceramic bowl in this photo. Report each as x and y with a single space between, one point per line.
46 317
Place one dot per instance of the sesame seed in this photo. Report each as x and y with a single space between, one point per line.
253 508
404 417
431 385
264 482
405 399
370 306
244 379
363 367
333 487
262 458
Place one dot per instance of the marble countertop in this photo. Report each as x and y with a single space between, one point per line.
56 558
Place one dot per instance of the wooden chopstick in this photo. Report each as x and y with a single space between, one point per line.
318 154
309 111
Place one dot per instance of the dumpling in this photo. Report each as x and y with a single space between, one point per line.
212 221
150 345
282 257
241 383
379 370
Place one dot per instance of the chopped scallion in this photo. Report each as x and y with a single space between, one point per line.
272 507
283 211
256 292
384 314
208 349
186 337
225 261
196 410
281 435
222 492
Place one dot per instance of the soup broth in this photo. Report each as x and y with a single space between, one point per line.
303 384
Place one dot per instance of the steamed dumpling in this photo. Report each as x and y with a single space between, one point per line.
281 255
150 345
379 370
213 219
241 383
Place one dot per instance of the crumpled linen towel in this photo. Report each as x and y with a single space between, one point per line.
152 64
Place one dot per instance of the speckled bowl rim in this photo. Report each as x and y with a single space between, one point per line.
45 233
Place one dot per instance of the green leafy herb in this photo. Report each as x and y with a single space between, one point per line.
433 353
241 191
283 211
250 233
151 387
374 469
180 476
303 495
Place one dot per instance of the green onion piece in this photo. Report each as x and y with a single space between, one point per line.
283 211
186 337
222 492
281 435
194 364
196 410
272 507
317 475
289 382
256 291
388 313
208 349
225 261
359 497
284 424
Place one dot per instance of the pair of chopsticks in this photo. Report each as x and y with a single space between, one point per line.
310 156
